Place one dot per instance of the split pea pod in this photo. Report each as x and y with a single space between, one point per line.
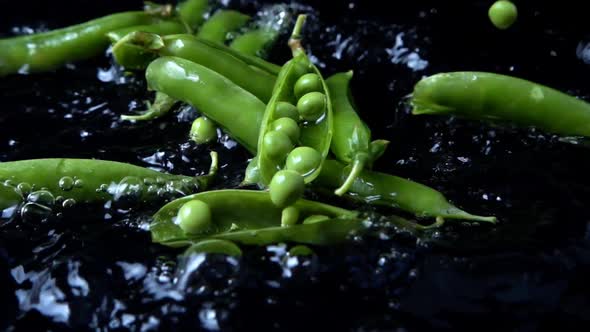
351 143
249 217
231 106
296 138
50 50
258 82
214 95
488 96
220 24
90 180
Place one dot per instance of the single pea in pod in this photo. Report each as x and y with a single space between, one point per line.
286 187
297 76
303 160
203 131
308 83
289 127
194 217
277 145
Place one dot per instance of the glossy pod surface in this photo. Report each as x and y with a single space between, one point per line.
50 50
315 129
167 27
254 42
90 180
217 27
249 217
258 82
214 95
351 142
488 96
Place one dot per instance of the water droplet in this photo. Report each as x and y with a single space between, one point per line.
42 197
24 188
32 212
66 183
78 183
129 190
68 203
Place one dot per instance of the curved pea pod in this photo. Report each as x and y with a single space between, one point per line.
249 217
488 96
91 180
387 190
351 142
315 126
217 27
215 96
193 49
50 50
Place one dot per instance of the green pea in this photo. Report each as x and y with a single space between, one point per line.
314 219
203 131
277 144
289 216
503 14
194 217
300 68
287 126
286 187
303 160
300 250
312 106
308 83
286 110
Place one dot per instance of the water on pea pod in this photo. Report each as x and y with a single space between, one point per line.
94 267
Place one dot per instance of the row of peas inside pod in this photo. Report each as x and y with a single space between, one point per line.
296 130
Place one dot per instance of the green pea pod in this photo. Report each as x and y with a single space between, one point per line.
488 96
215 96
220 24
50 50
191 48
90 180
230 107
316 127
163 27
250 217
192 13
387 190
351 143
254 42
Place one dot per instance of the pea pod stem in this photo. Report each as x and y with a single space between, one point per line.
352 137
489 96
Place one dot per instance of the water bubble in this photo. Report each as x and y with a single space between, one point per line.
9 203
149 181
78 183
129 190
24 188
66 183
68 203
32 212
42 197
103 187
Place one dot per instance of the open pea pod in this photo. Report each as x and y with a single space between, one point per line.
296 129
249 217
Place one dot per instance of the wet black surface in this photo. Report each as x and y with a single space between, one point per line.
96 269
